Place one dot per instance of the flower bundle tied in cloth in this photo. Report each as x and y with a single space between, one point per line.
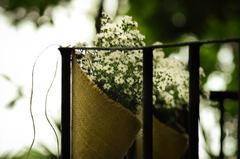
111 116
102 128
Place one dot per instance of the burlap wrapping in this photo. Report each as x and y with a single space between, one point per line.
167 143
101 128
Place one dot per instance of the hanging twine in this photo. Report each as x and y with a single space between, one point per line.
46 101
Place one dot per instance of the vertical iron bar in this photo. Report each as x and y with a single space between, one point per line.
193 65
147 107
221 106
238 131
66 103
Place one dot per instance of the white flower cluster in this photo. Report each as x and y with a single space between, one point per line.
170 80
119 73
123 33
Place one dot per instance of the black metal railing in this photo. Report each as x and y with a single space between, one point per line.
220 97
193 63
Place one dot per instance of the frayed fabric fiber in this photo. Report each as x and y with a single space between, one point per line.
101 127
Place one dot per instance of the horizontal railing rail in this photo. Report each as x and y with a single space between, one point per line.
166 45
222 95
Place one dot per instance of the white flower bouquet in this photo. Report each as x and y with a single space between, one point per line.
119 75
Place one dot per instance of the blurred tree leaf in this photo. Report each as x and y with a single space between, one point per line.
231 107
208 58
167 20
19 95
35 154
6 77
37 11
19 91
58 125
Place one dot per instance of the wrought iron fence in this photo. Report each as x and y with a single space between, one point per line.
193 118
220 97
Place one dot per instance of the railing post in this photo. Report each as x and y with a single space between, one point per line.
221 107
221 96
193 64
147 107
238 70
66 104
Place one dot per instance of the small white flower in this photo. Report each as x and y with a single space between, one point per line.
130 81
107 86
118 80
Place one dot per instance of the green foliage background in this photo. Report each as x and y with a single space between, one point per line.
159 20
168 20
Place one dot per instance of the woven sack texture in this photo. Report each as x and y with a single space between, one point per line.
167 143
101 127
